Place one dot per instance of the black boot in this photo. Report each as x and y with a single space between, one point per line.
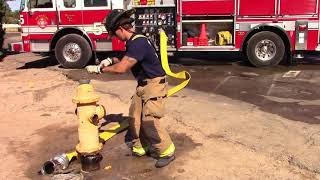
164 161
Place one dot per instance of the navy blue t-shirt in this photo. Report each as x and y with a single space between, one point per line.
148 65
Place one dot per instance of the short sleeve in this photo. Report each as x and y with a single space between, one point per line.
136 49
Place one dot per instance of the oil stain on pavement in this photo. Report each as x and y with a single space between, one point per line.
117 157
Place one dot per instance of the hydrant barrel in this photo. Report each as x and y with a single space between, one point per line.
89 114
88 132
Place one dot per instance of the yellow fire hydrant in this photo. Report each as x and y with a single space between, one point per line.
89 113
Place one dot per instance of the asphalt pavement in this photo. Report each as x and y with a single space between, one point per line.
232 119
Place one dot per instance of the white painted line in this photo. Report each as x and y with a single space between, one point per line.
291 74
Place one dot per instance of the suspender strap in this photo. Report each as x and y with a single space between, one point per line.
136 36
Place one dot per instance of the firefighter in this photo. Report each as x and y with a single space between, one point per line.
147 107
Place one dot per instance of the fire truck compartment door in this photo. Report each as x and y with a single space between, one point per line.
42 14
301 42
42 23
208 7
298 7
263 8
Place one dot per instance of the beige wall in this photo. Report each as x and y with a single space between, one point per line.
11 27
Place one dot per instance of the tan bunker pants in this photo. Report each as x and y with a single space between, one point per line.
145 113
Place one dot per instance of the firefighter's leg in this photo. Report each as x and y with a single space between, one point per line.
135 111
162 145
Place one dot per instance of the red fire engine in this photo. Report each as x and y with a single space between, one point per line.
267 31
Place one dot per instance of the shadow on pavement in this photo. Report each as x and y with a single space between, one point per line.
114 118
2 55
41 63
6 53
208 58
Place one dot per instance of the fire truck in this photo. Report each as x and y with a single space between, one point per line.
266 32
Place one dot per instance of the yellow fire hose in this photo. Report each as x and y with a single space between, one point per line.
184 75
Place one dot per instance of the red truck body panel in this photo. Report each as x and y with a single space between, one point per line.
242 16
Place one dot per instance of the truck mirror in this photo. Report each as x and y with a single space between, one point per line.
30 13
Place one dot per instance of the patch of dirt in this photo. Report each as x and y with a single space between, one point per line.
56 139
38 95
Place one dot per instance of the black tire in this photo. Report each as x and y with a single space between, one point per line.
82 46
276 48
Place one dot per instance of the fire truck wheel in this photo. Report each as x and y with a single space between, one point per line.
265 49
73 51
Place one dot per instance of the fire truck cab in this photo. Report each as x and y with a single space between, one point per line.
267 32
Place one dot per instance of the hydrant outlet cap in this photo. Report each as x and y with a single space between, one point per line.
84 81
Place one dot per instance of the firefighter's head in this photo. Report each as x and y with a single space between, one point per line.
119 23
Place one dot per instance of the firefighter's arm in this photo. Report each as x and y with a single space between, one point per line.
121 67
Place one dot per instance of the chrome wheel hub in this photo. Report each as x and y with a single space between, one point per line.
265 50
71 52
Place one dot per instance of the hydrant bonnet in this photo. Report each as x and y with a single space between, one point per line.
85 94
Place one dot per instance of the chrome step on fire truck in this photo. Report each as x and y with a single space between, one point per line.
267 31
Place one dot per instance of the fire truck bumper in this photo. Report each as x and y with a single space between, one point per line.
16 47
